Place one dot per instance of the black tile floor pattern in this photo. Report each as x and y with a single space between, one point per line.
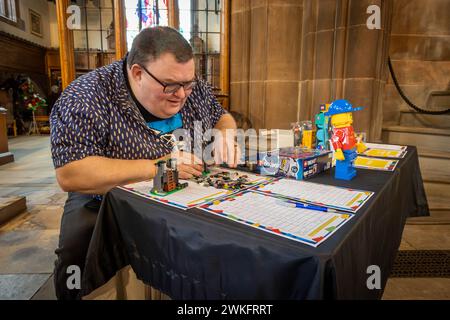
422 264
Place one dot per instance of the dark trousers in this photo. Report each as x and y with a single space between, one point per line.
77 225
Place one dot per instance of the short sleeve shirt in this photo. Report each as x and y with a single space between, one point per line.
96 116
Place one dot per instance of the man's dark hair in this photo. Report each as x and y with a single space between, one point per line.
151 43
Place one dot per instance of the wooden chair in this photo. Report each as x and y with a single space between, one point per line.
41 122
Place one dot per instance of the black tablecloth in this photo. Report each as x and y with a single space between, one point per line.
195 255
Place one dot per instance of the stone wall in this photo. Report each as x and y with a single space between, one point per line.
265 60
290 56
420 53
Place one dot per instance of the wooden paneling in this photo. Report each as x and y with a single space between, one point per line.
3 136
21 56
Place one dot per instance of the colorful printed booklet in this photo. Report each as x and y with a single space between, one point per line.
385 151
375 163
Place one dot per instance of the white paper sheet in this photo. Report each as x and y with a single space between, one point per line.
270 214
329 196
189 197
195 194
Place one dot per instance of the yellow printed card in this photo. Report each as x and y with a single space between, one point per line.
375 163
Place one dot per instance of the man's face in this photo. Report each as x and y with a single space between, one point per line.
151 94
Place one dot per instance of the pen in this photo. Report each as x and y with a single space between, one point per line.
293 204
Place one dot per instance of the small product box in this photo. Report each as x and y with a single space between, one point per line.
301 163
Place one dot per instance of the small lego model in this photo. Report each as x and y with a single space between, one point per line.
308 135
297 129
343 140
166 179
205 169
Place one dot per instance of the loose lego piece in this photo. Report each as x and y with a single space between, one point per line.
166 179
343 139
205 169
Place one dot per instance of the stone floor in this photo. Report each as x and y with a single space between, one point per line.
27 243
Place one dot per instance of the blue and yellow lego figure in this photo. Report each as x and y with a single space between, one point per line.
343 140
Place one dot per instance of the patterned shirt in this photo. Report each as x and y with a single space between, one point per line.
97 116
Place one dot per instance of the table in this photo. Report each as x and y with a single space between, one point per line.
195 255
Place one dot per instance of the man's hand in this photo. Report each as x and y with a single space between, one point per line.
188 165
226 150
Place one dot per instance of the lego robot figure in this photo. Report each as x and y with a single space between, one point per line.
323 127
166 178
343 140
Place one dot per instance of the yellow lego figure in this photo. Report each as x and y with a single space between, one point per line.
343 139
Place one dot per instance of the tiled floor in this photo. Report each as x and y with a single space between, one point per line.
27 243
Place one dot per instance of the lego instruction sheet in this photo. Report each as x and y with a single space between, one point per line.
194 194
278 216
317 194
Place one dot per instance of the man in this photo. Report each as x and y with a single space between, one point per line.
112 125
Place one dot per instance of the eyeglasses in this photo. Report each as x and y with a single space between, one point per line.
173 87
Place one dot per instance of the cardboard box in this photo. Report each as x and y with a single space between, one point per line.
300 163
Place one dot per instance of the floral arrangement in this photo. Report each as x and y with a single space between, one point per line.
31 99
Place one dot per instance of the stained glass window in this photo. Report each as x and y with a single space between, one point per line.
144 13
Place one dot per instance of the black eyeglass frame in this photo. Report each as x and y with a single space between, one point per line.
178 84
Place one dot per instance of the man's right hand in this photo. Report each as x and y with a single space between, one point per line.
188 165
